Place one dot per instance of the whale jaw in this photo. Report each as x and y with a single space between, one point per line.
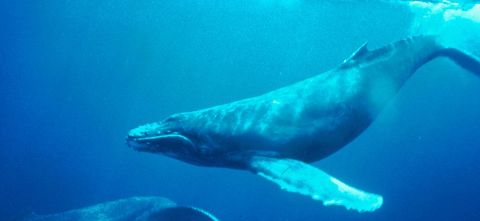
162 143
158 138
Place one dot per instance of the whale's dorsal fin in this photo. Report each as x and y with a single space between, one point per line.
299 177
360 52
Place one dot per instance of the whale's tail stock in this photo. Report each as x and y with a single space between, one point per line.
468 61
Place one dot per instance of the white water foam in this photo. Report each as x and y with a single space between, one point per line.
456 24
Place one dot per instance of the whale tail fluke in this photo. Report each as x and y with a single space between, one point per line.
298 177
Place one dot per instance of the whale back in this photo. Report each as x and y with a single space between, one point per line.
134 208
313 118
386 69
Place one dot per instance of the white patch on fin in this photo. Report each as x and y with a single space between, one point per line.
298 177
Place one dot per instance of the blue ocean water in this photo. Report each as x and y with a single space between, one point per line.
77 75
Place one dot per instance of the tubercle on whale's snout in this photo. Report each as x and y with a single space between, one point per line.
145 130
132 143
138 137
159 137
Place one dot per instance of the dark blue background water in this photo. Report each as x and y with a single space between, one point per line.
77 75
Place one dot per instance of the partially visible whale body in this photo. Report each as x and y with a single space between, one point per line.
131 209
277 134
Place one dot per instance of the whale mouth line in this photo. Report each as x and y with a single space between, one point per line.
158 137
158 143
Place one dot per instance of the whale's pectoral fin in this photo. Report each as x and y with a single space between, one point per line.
298 177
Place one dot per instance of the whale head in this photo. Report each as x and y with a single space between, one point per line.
165 137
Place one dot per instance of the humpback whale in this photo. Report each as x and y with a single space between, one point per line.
276 135
133 208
